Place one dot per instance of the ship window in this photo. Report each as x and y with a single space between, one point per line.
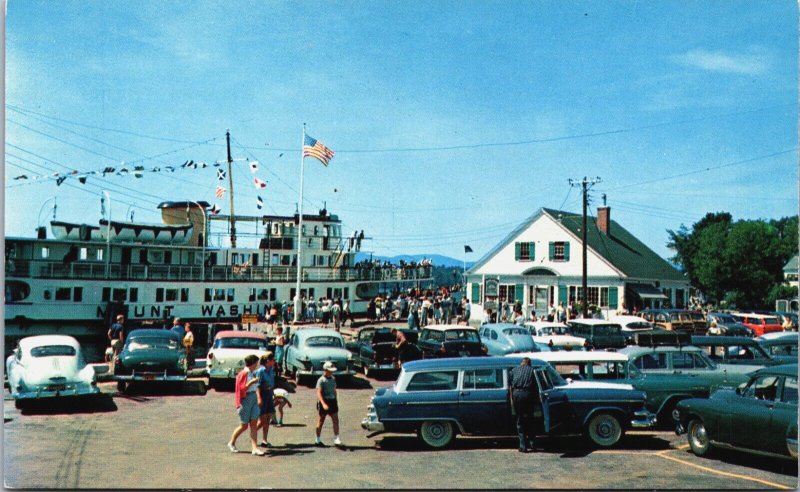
263 295
84 253
252 295
106 294
167 257
77 294
63 293
119 295
311 293
273 294
156 257
208 295
45 252
133 295
347 292
285 260
99 255
274 259
185 294
159 294
230 295
47 294
171 295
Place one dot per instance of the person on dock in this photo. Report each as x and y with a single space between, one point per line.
281 398
116 335
188 344
248 404
266 386
327 403
177 327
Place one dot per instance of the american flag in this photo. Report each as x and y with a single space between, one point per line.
220 191
259 184
215 209
314 148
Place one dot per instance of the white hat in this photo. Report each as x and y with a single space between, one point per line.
329 366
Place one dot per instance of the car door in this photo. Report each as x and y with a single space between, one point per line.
365 346
784 420
483 403
752 412
555 405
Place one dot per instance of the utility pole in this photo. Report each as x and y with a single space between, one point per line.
585 184
230 187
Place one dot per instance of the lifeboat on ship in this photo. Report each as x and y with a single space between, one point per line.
126 232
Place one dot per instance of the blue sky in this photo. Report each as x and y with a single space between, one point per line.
452 121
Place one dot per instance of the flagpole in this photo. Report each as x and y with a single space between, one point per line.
300 232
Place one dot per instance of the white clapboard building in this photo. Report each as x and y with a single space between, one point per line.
539 263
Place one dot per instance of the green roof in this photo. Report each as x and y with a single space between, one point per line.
620 248
791 265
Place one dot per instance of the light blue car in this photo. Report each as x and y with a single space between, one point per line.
505 338
310 348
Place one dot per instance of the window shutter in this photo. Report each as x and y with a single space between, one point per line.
476 292
612 298
517 251
519 293
532 247
562 293
566 251
552 252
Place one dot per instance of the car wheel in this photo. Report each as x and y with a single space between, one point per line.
121 386
436 434
698 437
604 430
19 404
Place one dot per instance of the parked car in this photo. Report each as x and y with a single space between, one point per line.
759 417
676 319
506 338
688 361
631 325
374 349
759 323
663 391
726 324
437 399
309 348
49 366
660 336
734 350
450 341
554 336
781 345
226 357
150 355
598 333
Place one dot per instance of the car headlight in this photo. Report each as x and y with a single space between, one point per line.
349 355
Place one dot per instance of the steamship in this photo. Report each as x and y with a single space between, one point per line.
75 281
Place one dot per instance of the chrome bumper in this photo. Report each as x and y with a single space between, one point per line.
370 422
150 376
53 393
382 367
222 373
643 419
312 372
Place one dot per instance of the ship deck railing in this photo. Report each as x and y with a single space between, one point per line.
235 273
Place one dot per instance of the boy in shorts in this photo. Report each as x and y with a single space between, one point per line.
281 398
326 403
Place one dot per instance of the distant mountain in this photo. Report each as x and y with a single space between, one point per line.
438 260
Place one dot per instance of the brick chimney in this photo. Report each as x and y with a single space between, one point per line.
604 219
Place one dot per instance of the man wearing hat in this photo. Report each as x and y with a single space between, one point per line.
326 402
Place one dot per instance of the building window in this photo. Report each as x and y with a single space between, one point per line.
524 251
559 251
507 292
679 302
592 294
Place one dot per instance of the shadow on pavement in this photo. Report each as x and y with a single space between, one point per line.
70 405
289 425
353 382
191 387
286 452
739 458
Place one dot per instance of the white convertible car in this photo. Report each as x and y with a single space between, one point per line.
48 366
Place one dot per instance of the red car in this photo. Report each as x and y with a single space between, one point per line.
759 323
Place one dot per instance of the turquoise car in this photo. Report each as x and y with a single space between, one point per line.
759 417
310 348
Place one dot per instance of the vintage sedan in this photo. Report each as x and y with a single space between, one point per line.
554 336
734 350
688 361
598 333
759 417
226 357
726 324
631 325
506 338
150 355
374 349
782 346
436 341
49 366
437 399
310 348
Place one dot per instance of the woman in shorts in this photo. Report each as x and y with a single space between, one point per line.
248 403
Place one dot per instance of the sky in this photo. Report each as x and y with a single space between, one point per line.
452 122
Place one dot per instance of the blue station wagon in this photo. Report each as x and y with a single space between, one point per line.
438 399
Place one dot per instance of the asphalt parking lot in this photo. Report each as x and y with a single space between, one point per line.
173 436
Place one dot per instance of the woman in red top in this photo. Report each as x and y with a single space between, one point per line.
248 404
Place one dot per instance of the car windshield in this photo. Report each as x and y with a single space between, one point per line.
515 331
724 318
240 343
143 343
607 330
324 341
52 351
462 335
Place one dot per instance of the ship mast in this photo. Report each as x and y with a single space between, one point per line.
230 187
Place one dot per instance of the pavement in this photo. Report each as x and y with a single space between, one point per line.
174 436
